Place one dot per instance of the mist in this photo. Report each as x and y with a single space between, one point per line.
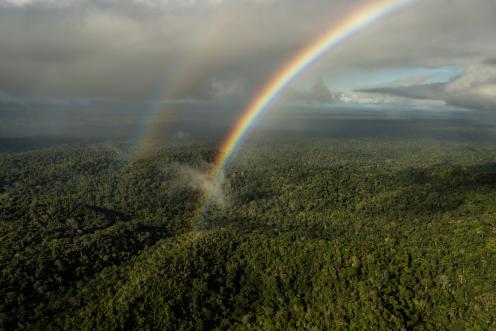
211 121
196 179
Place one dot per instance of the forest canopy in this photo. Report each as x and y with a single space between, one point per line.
319 234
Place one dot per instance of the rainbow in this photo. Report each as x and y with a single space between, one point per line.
329 40
186 71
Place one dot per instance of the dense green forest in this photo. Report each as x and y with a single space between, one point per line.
315 234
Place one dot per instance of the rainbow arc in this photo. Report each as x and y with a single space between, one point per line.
329 40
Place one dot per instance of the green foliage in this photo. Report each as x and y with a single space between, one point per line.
327 234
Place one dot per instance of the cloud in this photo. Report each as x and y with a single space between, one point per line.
431 91
475 88
395 93
411 80
199 180
138 49
318 93
227 88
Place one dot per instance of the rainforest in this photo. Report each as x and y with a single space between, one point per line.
247 165
317 233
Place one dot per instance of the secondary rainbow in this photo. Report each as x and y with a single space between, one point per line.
185 71
360 19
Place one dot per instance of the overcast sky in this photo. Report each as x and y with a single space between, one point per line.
432 52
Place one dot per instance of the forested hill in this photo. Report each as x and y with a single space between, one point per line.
321 234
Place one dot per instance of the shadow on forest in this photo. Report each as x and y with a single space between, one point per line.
444 175
110 214
432 190
486 174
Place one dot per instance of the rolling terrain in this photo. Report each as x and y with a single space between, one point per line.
322 233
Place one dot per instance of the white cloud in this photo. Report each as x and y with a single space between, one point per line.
475 88
200 180
474 77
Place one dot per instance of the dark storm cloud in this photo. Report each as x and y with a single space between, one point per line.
130 49
142 49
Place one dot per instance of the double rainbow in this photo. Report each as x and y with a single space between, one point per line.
328 41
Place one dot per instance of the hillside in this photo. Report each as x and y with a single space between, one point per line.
318 234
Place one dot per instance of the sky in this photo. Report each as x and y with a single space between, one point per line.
432 53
